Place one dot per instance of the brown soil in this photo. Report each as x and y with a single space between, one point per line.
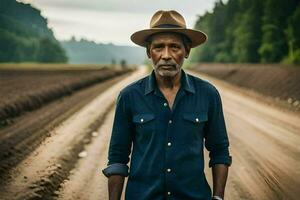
25 90
264 144
282 83
26 132
45 157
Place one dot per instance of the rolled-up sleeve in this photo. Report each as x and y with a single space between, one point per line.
216 138
121 139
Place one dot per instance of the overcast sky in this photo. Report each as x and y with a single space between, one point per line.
111 20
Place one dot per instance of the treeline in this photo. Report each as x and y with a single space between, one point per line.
25 36
251 31
89 52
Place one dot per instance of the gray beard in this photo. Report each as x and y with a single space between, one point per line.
168 82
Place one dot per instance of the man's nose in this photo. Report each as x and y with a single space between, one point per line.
166 54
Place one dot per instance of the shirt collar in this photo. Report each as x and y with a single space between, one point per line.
186 82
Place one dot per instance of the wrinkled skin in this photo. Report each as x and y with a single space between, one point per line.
167 53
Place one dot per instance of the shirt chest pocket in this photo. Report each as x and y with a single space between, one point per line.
194 123
144 123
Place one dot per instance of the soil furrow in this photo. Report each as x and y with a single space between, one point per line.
28 131
41 173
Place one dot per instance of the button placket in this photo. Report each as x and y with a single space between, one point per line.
168 152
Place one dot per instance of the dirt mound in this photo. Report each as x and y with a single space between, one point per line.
277 81
26 90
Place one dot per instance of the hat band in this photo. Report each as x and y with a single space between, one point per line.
167 26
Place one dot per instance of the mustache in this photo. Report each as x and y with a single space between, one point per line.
166 64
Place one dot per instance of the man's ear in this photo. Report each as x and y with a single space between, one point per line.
148 53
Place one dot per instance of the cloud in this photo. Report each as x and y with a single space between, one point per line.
136 6
98 26
112 20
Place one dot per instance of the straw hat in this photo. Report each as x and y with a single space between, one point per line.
168 21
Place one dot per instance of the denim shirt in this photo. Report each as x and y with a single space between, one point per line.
166 145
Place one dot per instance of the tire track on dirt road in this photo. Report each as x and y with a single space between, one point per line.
87 181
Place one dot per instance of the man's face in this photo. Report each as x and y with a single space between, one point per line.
167 53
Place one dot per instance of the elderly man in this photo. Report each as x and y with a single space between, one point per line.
167 117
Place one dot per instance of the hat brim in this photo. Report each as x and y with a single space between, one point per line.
196 37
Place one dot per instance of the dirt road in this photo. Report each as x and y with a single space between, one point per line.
264 144
41 174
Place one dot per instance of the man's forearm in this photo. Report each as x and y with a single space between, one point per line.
219 173
115 186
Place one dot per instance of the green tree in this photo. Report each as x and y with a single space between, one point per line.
232 16
250 31
9 47
247 35
204 52
293 37
123 63
49 51
217 25
274 44
24 35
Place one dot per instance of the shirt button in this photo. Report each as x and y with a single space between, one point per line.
169 193
165 104
197 120
170 121
142 120
168 170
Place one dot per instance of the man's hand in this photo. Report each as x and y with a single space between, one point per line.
115 186
219 173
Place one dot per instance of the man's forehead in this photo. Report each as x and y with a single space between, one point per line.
166 36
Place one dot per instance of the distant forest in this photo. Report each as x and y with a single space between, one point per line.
24 35
89 52
252 31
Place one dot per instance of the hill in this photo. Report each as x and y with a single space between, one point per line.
25 36
84 51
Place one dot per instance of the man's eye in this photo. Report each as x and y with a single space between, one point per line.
158 47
